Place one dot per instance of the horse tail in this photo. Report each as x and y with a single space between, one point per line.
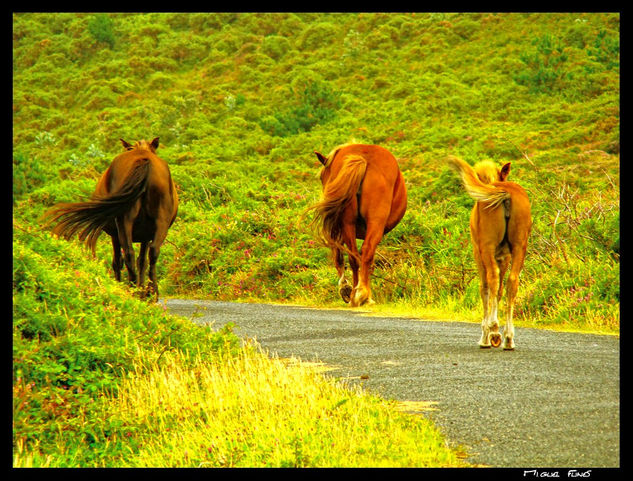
89 218
479 191
337 195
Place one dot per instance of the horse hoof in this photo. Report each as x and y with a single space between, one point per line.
495 339
346 293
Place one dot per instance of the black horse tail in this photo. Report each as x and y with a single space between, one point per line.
89 218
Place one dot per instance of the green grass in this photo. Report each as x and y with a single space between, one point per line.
240 101
102 379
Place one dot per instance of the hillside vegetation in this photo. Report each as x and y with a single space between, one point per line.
240 102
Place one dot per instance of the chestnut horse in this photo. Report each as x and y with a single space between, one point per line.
135 201
364 197
500 225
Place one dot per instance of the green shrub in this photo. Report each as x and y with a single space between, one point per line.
101 27
275 46
545 66
76 333
317 35
318 104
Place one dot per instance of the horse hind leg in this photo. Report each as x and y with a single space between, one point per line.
484 292
490 335
512 287
141 263
344 287
503 263
117 261
349 239
124 228
373 236
154 252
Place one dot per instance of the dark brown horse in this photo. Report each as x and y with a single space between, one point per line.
364 197
135 201
500 224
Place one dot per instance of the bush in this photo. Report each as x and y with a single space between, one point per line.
101 27
317 105
275 46
545 66
316 35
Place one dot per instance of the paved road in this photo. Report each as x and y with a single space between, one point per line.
553 402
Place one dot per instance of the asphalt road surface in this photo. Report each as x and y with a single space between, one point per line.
553 402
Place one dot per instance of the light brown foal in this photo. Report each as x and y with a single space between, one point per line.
500 224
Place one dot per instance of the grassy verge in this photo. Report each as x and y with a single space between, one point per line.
260 412
103 379
452 310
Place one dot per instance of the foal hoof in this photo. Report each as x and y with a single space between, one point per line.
495 339
346 293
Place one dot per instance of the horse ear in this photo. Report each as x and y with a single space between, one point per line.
125 144
322 159
154 144
504 172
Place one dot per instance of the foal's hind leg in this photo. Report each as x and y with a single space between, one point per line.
490 325
484 292
503 263
518 257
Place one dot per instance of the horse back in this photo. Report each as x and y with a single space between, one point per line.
161 199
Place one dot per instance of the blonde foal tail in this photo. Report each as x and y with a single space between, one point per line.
480 192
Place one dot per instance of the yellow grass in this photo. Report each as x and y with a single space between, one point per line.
253 411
